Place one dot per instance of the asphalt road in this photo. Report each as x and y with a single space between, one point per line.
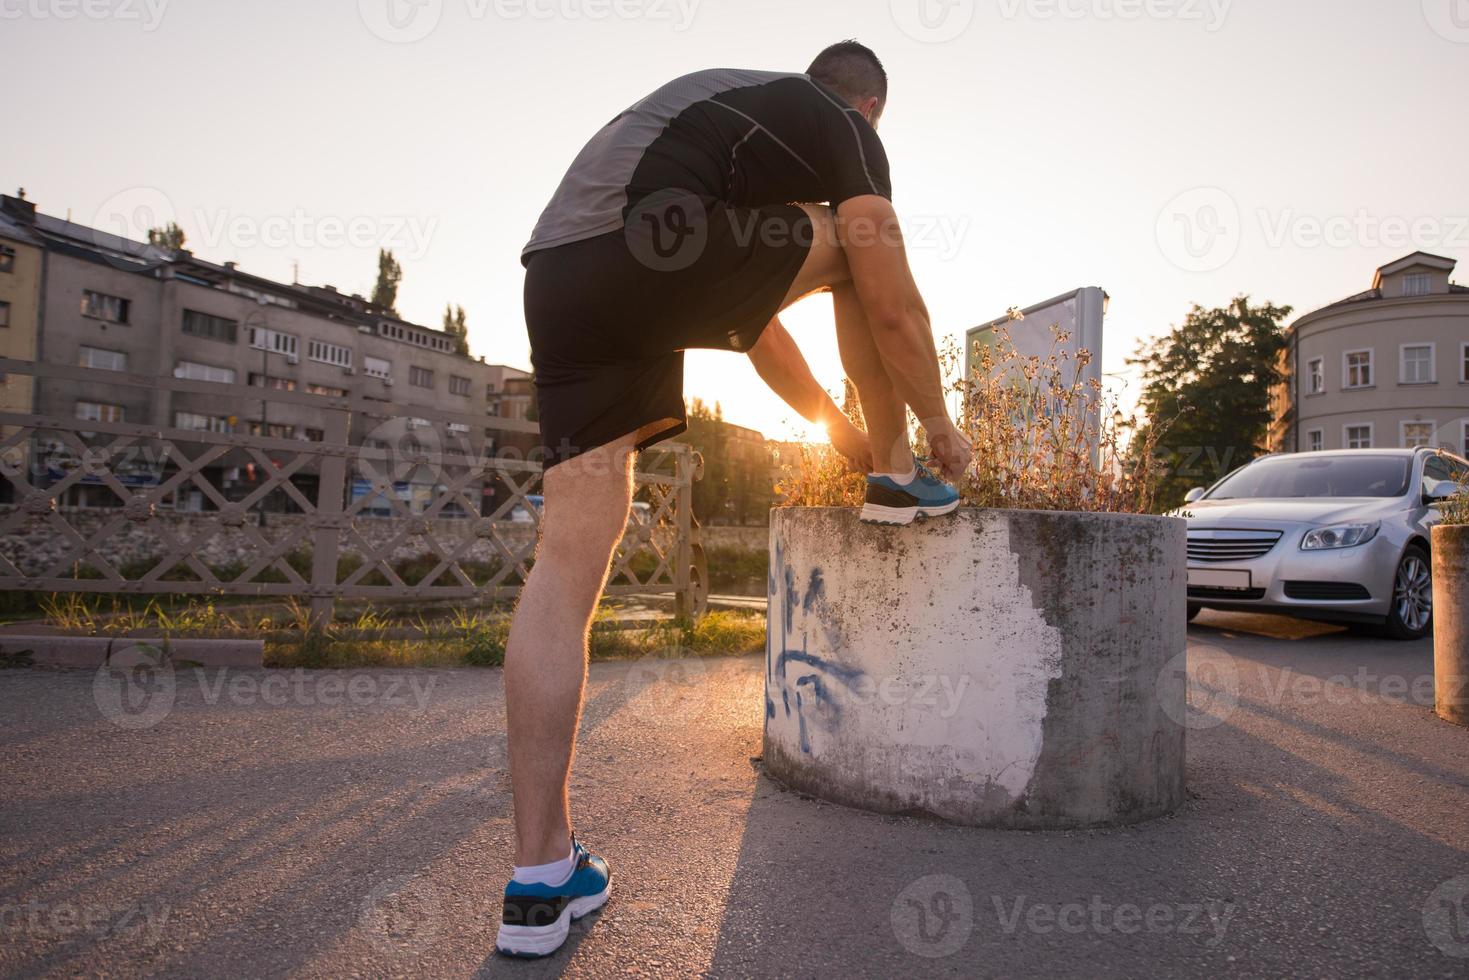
357 823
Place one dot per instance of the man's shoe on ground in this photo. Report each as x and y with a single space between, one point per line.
537 918
890 502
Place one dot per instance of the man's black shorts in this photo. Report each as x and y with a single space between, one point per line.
609 317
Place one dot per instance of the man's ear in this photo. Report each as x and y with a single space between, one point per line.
871 109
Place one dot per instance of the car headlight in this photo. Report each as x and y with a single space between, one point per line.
1339 536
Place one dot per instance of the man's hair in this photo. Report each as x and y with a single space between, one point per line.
852 71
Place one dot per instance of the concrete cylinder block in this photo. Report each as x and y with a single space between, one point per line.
1019 669
1451 623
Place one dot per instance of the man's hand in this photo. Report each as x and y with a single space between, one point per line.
853 445
951 450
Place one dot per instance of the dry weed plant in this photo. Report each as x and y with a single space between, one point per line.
1044 437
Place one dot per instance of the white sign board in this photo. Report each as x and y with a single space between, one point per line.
1078 313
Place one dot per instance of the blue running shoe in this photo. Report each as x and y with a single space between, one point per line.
890 502
537 918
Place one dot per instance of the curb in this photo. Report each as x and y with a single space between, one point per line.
98 651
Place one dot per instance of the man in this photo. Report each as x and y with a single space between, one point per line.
672 229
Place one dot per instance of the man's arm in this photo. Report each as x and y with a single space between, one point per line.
780 365
873 243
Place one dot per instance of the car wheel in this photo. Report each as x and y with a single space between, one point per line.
1193 610
1411 616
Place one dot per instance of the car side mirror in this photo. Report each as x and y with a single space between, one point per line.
1193 495
1437 491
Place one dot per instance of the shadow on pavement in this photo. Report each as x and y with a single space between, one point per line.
1316 832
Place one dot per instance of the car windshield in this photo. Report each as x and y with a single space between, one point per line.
1311 475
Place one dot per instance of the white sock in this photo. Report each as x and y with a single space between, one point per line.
555 873
901 478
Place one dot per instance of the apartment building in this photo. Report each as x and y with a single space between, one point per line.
20 313
508 392
113 304
1385 368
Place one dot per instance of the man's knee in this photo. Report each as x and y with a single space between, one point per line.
587 502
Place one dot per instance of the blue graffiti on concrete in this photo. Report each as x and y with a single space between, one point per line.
818 702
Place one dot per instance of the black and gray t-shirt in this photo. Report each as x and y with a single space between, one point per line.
747 138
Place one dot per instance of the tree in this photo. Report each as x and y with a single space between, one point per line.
752 484
456 327
706 433
1206 392
389 274
170 236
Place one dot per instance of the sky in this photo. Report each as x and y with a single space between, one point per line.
1170 151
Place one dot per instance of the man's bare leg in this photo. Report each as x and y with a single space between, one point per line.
586 508
884 412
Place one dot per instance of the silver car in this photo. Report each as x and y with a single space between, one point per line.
1338 536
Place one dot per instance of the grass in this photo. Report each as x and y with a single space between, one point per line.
479 641
371 638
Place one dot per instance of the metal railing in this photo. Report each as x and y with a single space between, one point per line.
421 477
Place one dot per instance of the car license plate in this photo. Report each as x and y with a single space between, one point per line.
1219 578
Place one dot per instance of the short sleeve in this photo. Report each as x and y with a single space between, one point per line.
852 162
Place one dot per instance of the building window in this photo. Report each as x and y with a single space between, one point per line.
100 306
1417 366
4 314
194 371
319 350
1316 371
195 422
268 381
1464 443
99 412
376 367
458 385
1357 369
314 435
102 360
275 341
1415 284
1315 441
273 430
327 390
1464 367
421 377
7 258
1358 436
198 324
1417 434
